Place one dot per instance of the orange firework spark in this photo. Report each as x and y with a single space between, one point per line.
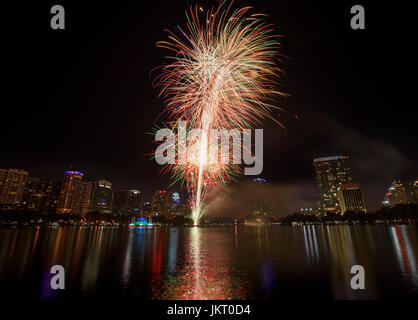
222 75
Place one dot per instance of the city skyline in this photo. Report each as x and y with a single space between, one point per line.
97 105
212 157
333 177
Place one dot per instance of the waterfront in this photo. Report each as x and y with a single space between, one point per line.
272 262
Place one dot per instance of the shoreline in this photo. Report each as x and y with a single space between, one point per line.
53 225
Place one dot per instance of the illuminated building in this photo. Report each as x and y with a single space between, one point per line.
351 198
175 200
12 184
127 202
32 193
414 191
70 193
40 195
147 207
330 173
52 193
161 202
259 207
86 196
176 197
177 208
102 197
182 210
396 194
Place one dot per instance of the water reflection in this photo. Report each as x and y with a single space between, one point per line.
206 271
267 276
405 252
211 263
172 259
91 265
348 247
311 244
126 268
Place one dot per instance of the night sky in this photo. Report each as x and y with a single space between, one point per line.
82 97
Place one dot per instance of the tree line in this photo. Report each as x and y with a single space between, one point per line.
403 212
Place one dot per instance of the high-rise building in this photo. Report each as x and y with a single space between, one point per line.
102 197
396 194
175 202
127 202
39 195
12 184
32 193
350 198
70 193
330 173
414 191
259 206
147 207
161 202
176 199
52 193
86 197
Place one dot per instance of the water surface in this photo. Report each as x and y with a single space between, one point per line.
241 262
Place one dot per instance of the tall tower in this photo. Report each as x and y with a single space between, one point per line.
330 173
414 191
176 199
259 206
396 194
127 202
351 198
52 196
12 184
86 197
70 194
161 202
102 197
31 193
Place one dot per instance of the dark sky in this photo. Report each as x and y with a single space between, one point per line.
82 96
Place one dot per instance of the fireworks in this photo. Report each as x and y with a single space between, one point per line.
221 75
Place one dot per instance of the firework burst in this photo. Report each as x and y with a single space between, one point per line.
222 74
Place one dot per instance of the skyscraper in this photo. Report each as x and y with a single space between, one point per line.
12 184
31 193
70 193
350 198
161 202
414 191
176 199
127 202
330 173
147 207
86 197
396 194
102 197
39 195
52 194
259 206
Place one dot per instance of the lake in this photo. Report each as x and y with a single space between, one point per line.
231 262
